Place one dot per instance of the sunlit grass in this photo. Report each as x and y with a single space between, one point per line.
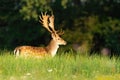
64 67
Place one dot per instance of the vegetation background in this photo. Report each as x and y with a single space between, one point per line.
90 24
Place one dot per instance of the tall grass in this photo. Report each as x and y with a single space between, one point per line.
64 67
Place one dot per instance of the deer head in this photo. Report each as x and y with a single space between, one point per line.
48 23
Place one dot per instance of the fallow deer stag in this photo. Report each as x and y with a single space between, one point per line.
51 49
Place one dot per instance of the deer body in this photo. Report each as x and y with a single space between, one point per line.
28 51
50 49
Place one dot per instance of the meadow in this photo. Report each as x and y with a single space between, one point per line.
61 67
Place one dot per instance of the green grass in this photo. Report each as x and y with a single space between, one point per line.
64 67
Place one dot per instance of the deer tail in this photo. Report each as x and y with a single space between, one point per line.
17 52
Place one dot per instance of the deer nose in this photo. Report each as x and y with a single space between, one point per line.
65 43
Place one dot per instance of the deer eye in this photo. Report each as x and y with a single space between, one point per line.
58 38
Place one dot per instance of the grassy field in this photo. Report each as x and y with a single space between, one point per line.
64 67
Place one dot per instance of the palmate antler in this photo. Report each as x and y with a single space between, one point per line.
44 20
48 22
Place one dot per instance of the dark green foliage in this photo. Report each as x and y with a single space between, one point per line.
92 22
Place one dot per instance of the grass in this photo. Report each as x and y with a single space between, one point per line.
64 67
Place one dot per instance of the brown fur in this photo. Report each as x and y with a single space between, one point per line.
32 51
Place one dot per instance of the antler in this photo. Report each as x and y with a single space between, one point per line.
61 32
48 22
44 20
51 24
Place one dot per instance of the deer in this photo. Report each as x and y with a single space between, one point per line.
51 49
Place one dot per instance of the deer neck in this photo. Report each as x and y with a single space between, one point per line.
52 47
